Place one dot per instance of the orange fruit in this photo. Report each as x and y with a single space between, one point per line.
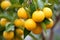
3 21
37 30
38 16
22 13
50 25
19 22
48 12
8 35
5 4
19 32
30 24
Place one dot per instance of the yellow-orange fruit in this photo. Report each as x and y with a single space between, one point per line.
3 21
38 16
37 30
50 25
8 35
5 4
30 24
22 13
48 12
19 32
19 22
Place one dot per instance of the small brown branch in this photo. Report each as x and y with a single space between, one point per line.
43 37
52 32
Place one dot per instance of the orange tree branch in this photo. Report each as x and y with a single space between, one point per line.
52 32
43 37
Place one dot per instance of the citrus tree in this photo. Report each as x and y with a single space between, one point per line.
19 18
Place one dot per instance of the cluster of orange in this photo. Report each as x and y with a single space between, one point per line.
38 16
30 24
10 35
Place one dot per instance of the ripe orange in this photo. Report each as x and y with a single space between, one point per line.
50 25
38 16
19 22
37 30
8 35
48 12
19 31
22 13
5 4
30 24
3 21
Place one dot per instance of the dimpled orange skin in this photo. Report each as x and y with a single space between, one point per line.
22 13
48 12
8 35
30 24
3 21
5 4
19 32
38 16
50 25
37 30
19 22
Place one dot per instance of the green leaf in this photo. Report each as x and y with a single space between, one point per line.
2 28
53 1
1 35
26 32
32 7
35 3
43 26
46 21
9 27
40 4
43 0
1 10
47 4
33 36
5 15
13 15
14 1
21 1
14 6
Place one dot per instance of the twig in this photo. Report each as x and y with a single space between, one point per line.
43 37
